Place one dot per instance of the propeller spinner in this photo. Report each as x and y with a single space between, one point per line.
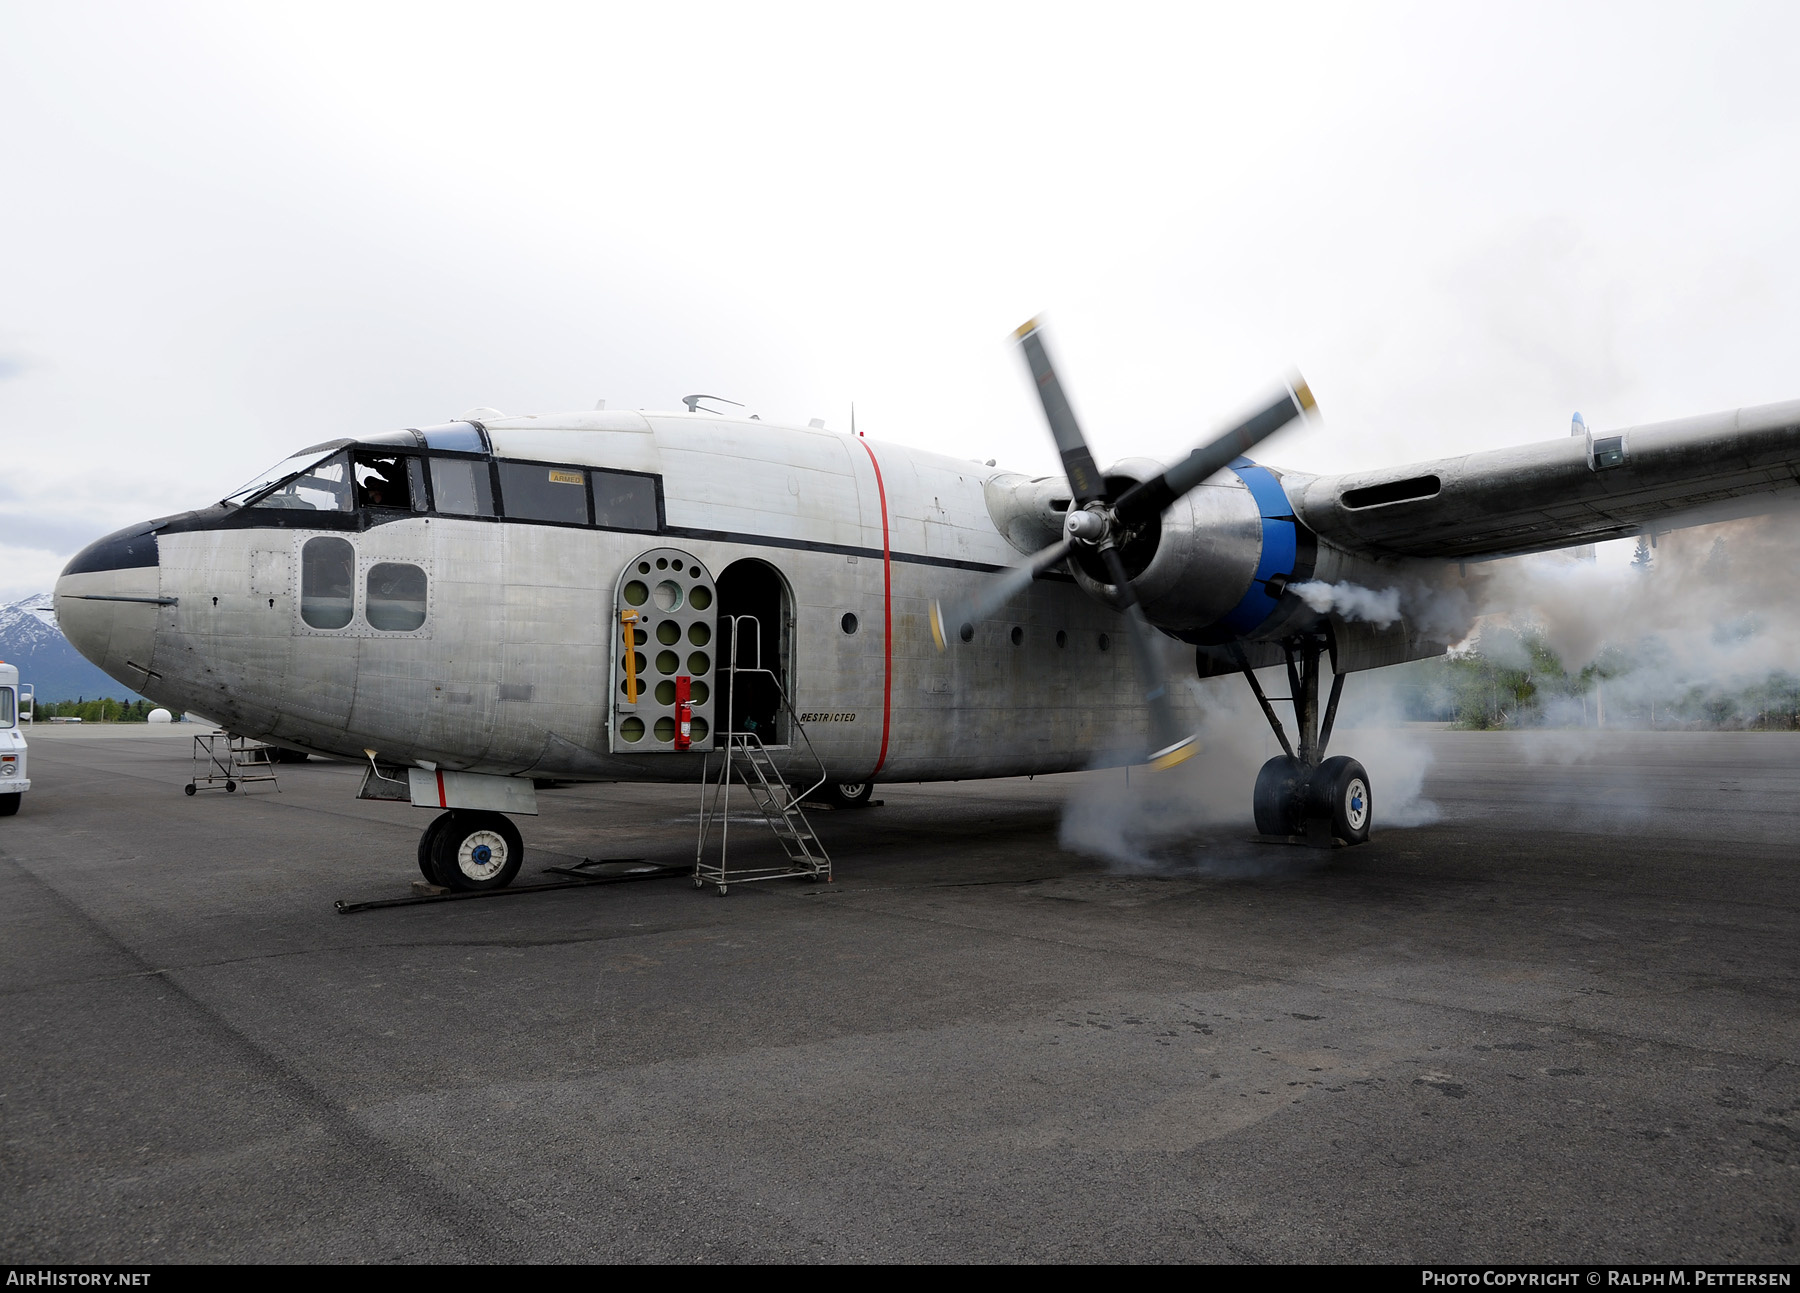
1097 522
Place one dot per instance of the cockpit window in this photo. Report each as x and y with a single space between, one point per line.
323 486
462 487
287 467
386 480
8 707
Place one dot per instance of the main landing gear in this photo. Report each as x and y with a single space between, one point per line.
1300 793
469 850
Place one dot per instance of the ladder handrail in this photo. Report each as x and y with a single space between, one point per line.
734 669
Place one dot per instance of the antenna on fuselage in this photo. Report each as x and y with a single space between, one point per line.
693 403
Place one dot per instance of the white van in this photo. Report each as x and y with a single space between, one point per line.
13 781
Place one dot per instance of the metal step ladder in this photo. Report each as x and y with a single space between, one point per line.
745 759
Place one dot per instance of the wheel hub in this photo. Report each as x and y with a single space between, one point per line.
482 855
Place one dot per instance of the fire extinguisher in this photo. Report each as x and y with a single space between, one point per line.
684 712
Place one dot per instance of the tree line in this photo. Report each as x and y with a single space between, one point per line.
103 710
1509 677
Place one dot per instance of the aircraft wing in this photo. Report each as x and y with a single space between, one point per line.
1559 493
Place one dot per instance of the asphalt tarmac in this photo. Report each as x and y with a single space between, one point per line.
1557 1024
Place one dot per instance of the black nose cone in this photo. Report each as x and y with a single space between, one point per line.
133 546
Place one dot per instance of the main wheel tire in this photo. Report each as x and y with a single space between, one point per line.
1340 790
477 851
9 804
849 794
1278 796
427 846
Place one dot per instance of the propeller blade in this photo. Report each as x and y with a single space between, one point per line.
1084 477
1001 589
1169 744
1152 497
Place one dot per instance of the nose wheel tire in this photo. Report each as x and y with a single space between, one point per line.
476 851
9 804
849 794
427 845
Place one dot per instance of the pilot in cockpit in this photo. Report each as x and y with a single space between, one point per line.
381 482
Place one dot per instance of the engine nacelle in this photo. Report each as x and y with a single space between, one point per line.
1214 566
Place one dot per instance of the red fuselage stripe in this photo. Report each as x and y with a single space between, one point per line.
887 611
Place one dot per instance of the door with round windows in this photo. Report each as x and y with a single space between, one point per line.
664 656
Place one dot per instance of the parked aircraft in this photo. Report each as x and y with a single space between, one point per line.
605 595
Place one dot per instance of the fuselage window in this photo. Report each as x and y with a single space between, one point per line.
624 502
395 600
323 488
530 492
386 480
462 487
327 583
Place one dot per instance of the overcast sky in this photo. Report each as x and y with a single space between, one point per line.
233 230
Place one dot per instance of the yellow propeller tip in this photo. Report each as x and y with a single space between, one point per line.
1025 329
1303 394
1180 752
937 626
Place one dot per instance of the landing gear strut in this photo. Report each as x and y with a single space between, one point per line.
1301 793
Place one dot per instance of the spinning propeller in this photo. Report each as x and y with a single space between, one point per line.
1098 522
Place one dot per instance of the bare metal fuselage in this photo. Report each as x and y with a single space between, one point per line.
517 668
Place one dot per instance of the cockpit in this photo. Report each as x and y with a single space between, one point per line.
448 470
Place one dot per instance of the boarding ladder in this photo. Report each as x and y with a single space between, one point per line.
743 758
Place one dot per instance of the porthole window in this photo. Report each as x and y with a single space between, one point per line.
848 623
1105 643
1062 638
1018 635
394 597
967 633
327 583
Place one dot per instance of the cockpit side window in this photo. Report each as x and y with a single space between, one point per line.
462 487
9 706
385 480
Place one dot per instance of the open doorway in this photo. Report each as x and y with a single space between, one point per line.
754 588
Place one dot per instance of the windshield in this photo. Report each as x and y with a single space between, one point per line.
315 480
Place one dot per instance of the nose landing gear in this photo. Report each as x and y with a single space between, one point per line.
470 851
1300 794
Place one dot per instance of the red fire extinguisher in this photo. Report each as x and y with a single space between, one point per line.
684 712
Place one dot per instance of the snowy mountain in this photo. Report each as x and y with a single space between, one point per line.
30 639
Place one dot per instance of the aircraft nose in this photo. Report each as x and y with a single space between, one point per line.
107 598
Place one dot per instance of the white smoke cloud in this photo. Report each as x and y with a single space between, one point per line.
1380 607
1197 818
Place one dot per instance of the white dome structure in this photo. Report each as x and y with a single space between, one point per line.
160 716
